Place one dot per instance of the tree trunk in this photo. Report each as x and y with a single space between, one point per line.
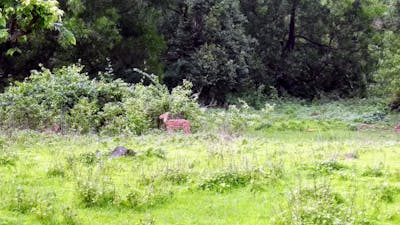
292 26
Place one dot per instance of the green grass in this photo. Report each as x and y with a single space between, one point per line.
292 171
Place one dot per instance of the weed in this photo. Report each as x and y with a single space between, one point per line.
38 205
133 199
225 181
386 192
92 192
154 152
371 118
7 158
374 171
327 166
56 171
176 176
22 202
149 197
71 159
70 216
148 220
89 158
44 209
317 205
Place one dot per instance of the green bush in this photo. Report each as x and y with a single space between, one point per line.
240 118
45 97
319 205
93 192
68 97
7 158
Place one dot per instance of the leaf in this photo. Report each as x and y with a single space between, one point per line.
11 51
68 35
2 21
3 35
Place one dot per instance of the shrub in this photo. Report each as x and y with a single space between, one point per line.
374 171
328 166
386 192
225 181
150 197
92 192
44 97
56 171
239 118
26 202
70 216
318 205
255 98
22 202
83 116
7 158
176 176
228 180
89 158
69 98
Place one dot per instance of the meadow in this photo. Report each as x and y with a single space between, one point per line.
299 163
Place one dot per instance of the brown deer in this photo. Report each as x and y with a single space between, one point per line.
55 129
397 128
175 123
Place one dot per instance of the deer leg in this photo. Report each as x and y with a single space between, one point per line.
187 129
170 130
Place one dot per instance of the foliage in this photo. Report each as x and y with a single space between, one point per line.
20 18
386 192
68 97
7 158
32 202
260 177
207 45
239 118
310 48
328 166
223 182
24 26
92 32
92 192
226 49
318 205
386 77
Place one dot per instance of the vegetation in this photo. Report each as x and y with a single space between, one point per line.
292 107
293 172
306 49
68 98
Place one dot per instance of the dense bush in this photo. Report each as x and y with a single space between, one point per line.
320 205
68 98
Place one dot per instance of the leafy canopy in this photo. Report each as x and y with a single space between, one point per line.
19 18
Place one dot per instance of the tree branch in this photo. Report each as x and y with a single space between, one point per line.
314 42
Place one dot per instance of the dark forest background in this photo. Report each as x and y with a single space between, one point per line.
226 48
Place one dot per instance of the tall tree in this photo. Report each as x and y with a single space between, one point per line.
23 21
208 45
124 33
323 44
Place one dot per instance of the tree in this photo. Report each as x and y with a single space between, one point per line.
314 48
207 45
22 20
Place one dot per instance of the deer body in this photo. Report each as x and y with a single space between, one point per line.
397 128
175 124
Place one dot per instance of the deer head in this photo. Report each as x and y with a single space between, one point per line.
164 116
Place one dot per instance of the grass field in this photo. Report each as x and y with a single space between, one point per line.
301 164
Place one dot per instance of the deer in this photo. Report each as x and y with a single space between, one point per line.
55 129
397 128
172 124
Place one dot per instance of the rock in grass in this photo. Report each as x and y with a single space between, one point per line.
120 152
